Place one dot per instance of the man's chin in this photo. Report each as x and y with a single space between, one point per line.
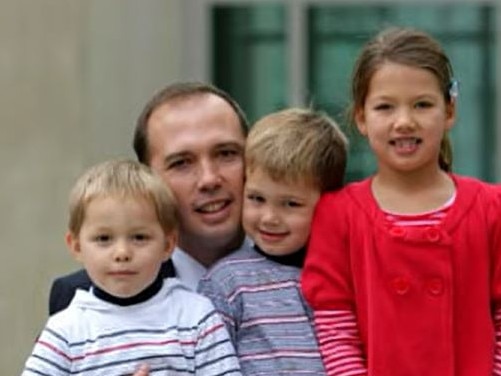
218 235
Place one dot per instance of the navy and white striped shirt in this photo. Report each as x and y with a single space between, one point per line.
176 332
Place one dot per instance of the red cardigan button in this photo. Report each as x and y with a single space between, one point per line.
435 286
397 232
433 234
401 285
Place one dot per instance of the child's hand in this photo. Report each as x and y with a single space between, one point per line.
143 370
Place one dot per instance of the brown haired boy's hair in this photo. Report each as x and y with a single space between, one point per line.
298 145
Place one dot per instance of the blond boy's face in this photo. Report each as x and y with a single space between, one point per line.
277 215
121 244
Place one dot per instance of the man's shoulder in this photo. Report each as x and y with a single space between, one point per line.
79 278
63 289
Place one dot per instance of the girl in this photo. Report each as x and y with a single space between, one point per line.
403 268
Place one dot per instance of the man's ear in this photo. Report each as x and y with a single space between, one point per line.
73 245
360 121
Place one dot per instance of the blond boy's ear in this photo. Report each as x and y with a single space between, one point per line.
73 245
170 244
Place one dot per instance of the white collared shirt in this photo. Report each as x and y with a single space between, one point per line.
189 271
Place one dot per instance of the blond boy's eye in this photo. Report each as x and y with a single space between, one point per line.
102 238
140 237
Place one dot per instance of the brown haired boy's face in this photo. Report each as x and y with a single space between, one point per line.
277 215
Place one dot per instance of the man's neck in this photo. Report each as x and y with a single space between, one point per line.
207 252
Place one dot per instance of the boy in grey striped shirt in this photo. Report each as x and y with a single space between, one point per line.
292 157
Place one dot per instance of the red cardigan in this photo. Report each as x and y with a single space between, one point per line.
423 297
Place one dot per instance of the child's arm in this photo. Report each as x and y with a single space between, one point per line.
326 284
210 287
339 342
497 352
214 352
496 240
50 356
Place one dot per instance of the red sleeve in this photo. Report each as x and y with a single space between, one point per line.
326 279
495 237
339 343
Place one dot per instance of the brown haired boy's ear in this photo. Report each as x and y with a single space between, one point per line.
73 245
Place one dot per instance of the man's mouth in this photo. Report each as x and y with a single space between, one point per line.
212 207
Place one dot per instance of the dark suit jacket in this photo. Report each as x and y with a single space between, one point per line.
63 288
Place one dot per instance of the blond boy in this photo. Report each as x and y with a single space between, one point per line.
122 227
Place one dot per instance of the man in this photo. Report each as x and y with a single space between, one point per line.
193 135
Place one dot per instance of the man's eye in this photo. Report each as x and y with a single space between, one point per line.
178 164
228 153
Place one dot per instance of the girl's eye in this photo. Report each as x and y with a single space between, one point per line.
382 107
423 104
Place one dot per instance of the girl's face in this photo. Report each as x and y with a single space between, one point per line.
404 118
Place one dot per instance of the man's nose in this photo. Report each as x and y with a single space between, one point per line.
209 175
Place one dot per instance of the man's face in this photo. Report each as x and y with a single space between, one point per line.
196 144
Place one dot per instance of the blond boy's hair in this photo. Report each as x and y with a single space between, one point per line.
298 145
123 179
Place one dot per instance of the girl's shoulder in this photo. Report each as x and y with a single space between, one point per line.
355 197
353 192
472 185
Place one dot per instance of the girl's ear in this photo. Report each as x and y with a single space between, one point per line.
450 114
360 121
73 245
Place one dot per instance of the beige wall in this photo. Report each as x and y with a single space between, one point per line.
73 77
